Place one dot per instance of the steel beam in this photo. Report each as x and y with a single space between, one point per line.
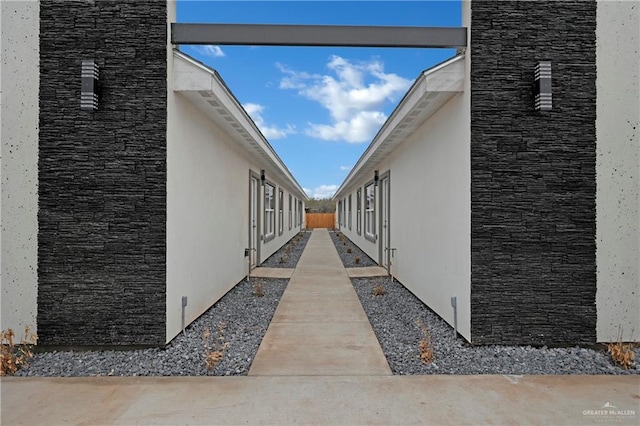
318 35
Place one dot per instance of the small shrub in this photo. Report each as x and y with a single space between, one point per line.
349 250
214 352
378 290
287 249
258 288
15 356
356 260
425 346
622 353
282 259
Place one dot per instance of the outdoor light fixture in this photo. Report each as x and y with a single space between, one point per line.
542 86
88 92
376 178
262 177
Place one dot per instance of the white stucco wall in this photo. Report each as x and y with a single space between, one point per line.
19 76
618 170
207 208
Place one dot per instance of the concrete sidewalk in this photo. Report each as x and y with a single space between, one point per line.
318 400
319 327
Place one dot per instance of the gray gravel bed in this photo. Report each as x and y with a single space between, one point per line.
393 317
284 259
348 259
246 318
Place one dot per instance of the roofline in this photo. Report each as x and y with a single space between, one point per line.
410 93
218 78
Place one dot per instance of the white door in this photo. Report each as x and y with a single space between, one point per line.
253 222
385 252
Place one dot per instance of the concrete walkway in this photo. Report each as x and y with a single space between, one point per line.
319 327
320 364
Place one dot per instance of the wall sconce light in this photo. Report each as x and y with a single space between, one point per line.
542 86
88 92
262 177
376 178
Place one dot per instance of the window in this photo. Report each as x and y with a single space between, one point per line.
290 214
340 213
295 207
370 212
349 214
300 213
269 211
280 212
359 211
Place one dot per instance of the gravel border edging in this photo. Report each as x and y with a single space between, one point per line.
393 318
297 244
348 259
246 318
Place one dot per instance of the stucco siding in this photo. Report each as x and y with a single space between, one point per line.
430 208
618 170
19 75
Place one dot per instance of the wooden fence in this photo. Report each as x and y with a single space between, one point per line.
321 220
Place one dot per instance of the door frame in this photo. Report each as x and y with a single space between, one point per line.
254 229
384 222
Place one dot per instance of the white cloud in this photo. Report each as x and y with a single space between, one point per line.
269 132
354 97
345 168
209 50
322 191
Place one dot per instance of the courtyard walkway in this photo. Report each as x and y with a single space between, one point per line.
319 327
320 364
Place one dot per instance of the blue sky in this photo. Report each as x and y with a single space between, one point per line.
319 107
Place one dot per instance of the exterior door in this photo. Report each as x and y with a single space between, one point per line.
253 221
385 248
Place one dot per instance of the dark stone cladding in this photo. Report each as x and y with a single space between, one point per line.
533 270
102 175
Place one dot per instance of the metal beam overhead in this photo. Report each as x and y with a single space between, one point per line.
318 35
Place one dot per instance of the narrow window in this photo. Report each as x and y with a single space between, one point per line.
370 212
359 211
280 212
269 211
300 213
295 208
349 213
290 214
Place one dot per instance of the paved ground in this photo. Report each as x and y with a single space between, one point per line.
320 363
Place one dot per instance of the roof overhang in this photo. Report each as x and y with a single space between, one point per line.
205 89
431 90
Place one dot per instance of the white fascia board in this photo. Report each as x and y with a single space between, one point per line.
201 84
431 90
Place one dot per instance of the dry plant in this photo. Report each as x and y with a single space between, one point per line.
349 250
214 352
258 288
378 290
622 353
15 356
282 259
356 260
287 249
425 345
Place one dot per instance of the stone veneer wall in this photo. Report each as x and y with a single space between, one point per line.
102 175
533 264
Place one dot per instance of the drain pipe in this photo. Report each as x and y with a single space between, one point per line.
454 305
184 305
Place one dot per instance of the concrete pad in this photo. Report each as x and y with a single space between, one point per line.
320 349
318 308
367 272
261 272
391 400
